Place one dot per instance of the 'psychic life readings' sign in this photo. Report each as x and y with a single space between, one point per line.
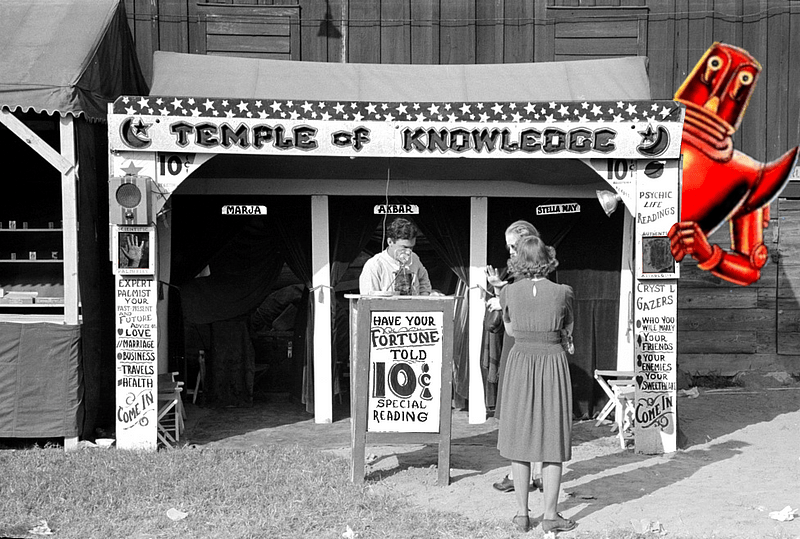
657 209
405 363
136 376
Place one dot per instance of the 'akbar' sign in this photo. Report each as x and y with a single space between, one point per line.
405 354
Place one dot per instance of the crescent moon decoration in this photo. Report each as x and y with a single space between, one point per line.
135 136
656 148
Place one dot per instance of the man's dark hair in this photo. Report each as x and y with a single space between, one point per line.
402 229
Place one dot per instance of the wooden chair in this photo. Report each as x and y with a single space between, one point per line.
620 386
171 413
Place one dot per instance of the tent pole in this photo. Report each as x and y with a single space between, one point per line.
322 295
477 283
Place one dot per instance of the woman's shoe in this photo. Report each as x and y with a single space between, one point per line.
537 484
506 485
522 523
559 524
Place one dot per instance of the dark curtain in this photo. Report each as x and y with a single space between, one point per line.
245 256
294 229
589 249
352 222
445 222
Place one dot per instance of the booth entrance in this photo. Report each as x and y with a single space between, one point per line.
242 286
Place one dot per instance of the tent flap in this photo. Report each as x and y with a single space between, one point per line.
66 56
247 78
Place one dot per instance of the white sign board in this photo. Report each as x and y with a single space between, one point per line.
656 365
405 362
137 365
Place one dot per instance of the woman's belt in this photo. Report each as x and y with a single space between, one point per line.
547 337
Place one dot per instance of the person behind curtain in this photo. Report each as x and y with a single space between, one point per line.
539 315
397 269
515 231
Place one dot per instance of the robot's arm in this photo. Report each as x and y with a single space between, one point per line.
741 266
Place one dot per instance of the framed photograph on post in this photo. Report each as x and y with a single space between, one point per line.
134 250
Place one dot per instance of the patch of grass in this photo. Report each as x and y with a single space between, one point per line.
278 491
275 491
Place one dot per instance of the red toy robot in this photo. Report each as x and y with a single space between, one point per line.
720 183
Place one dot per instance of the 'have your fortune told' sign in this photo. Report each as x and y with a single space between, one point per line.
405 363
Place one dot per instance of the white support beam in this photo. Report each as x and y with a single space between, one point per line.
59 161
625 344
477 307
69 215
321 294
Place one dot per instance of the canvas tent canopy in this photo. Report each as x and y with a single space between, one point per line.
66 56
217 76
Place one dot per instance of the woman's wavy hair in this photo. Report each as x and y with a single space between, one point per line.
533 259
522 229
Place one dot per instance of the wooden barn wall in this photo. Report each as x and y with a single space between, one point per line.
723 329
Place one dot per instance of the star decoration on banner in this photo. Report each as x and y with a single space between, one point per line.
414 111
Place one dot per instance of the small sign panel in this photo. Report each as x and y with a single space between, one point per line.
244 209
134 250
405 358
396 209
550 209
137 362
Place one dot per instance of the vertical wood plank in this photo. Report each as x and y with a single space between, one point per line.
776 70
338 30
489 31
364 32
754 40
544 33
661 47
793 105
395 32
146 39
681 62
313 30
425 30
519 31
457 33
173 26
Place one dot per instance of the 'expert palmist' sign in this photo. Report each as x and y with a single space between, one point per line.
405 363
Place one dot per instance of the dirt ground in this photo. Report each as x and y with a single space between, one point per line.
741 461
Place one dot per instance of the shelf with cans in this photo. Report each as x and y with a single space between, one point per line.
31 265
34 242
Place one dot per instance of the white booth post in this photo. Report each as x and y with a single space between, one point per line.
634 147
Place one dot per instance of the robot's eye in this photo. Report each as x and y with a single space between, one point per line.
743 80
713 65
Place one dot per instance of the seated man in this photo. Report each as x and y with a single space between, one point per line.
396 270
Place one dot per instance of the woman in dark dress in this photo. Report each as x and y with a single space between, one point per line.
498 279
536 423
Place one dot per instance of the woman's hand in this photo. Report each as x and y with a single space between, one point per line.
493 304
493 277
